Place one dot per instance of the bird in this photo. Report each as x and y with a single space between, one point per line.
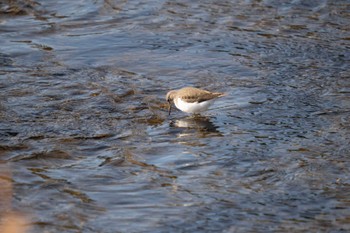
192 100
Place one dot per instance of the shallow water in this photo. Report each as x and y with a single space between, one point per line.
85 131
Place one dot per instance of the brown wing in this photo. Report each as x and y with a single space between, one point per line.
198 95
209 97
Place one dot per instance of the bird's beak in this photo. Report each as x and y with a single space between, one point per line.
169 108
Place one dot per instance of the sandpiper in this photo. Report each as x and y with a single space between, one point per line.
191 99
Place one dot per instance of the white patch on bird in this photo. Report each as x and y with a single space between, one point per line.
192 107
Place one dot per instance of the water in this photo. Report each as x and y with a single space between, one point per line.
90 148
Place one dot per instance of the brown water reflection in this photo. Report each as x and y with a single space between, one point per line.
85 132
11 221
196 127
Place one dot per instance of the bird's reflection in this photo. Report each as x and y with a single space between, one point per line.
200 124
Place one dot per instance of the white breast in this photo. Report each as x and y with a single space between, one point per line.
193 107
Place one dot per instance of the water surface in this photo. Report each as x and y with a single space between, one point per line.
85 131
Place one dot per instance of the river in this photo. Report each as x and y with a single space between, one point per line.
87 143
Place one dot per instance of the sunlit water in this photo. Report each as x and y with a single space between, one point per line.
85 132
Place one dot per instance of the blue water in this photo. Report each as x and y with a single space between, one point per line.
85 133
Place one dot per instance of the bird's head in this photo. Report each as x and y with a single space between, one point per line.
169 98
